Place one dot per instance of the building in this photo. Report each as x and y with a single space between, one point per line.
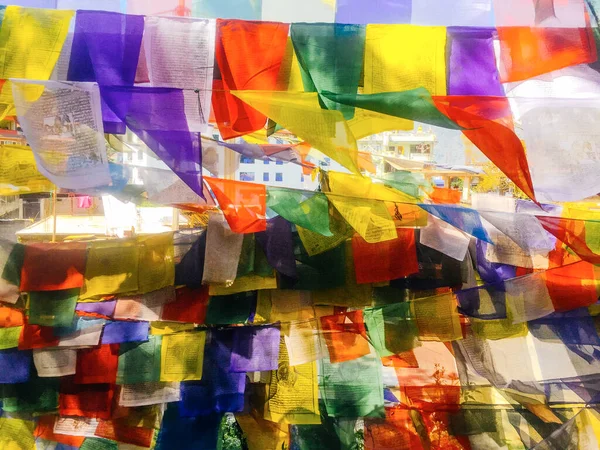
412 145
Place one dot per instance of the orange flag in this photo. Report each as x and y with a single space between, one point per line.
249 56
243 204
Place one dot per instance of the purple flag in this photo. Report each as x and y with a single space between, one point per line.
102 308
278 246
106 49
119 332
267 152
219 390
492 272
16 366
157 117
255 349
472 68
363 12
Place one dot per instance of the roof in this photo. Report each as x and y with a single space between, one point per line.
78 226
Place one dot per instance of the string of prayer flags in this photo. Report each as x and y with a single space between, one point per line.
234 42
321 47
64 129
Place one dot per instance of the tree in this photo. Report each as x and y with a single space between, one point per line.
494 180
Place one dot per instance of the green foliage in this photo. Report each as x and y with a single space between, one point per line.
232 436
494 180
359 440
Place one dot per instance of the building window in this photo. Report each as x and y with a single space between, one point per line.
266 176
246 176
301 178
266 161
420 149
279 163
246 160
140 155
278 176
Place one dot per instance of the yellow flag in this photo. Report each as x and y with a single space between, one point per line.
363 187
18 172
161 328
498 328
31 40
437 318
16 434
301 114
369 218
290 77
156 262
111 268
182 356
7 104
404 57
262 434
293 393
246 283
9 337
